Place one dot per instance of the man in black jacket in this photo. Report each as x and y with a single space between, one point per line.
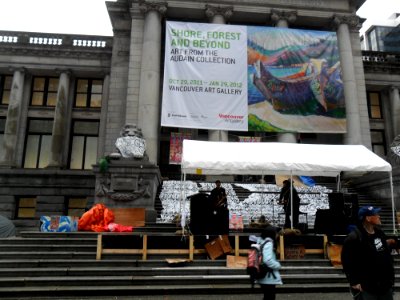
367 260
284 198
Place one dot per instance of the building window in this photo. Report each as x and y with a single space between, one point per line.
378 142
44 91
76 206
372 40
83 152
5 89
26 207
2 129
38 143
88 93
374 105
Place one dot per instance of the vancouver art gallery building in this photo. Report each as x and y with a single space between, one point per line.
65 98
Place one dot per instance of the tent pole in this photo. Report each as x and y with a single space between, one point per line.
393 207
182 204
338 183
291 199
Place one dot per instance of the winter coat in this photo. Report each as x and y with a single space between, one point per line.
269 258
367 261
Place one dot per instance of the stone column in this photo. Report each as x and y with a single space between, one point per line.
60 122
218 15
149 88
13 118
395 109
283 19
342 23
103 116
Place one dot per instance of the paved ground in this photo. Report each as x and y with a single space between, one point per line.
309 296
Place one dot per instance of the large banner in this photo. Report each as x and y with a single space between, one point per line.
248 78
205 82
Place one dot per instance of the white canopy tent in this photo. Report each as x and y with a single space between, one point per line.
224 158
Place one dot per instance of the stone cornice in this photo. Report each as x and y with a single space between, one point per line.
212 11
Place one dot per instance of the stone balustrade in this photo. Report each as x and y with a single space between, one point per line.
46 40
383 61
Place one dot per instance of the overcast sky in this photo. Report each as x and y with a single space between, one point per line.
91 17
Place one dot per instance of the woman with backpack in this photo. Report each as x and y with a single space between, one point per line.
273 277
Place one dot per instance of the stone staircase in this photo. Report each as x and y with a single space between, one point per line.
37 265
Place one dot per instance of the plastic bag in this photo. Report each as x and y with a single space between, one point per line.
113 227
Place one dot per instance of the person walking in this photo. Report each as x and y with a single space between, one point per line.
269 282
367 260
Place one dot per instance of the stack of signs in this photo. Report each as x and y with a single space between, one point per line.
58 223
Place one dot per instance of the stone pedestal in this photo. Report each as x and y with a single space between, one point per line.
128 183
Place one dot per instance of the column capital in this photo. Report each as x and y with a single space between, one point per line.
159 7
225 12
352 21
394 87
60 71
22 70
289 16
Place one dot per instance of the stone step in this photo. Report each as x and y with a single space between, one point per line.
171 280
47 255
46 248
146 271
130 263
49 240
184 289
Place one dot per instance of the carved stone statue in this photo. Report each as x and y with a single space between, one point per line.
131 143
394 152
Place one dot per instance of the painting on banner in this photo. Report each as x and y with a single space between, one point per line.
175 146
205 78
295 82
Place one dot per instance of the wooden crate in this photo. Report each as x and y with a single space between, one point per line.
130 216
295 251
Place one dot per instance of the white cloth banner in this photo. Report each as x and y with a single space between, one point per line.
205 77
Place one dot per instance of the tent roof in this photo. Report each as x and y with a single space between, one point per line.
204 157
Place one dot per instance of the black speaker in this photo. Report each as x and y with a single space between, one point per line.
201 213
351 207
219 222
328 222
336 202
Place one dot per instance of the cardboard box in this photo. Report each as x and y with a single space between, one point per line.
236 262
214 249
223 240
334 254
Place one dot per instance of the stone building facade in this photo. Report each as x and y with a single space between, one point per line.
65 98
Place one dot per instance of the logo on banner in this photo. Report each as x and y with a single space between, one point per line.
249 139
